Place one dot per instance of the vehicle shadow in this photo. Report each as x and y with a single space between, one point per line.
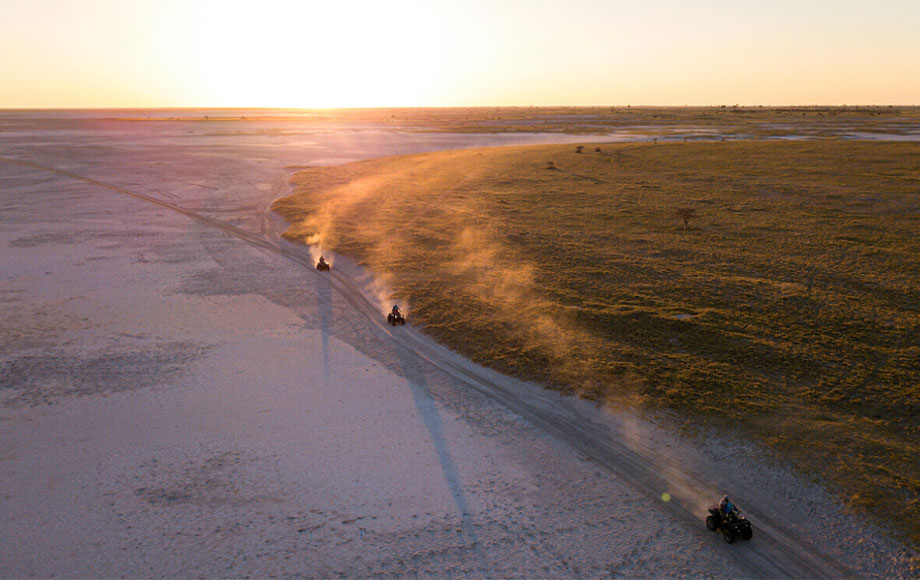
412 369
324 304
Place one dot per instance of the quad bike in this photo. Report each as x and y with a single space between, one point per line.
732 524
394 318
323 266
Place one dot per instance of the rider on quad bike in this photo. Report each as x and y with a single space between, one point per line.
322 265
395 316
727 517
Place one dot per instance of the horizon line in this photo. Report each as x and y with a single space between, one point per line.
416 107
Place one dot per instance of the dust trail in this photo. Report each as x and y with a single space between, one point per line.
692 493
508 282
315 247
382 291
398 221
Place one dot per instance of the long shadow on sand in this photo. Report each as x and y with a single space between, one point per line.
431 417
324 304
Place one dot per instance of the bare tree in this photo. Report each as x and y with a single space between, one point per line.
685 214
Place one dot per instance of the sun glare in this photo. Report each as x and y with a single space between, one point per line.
291 54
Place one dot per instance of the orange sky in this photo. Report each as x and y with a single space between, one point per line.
301 53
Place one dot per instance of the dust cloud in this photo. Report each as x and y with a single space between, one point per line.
508 282
315 245
417 238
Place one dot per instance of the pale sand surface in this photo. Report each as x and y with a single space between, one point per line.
176 401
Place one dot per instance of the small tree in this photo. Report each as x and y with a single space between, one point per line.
579 148
685 214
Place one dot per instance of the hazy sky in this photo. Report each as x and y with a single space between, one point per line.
306 53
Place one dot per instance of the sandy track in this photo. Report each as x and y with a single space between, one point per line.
777 550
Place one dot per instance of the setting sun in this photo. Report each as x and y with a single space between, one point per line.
321 55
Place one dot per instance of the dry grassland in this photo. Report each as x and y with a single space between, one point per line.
787 307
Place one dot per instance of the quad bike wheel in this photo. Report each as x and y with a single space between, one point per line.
711 523
728 535
747 533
